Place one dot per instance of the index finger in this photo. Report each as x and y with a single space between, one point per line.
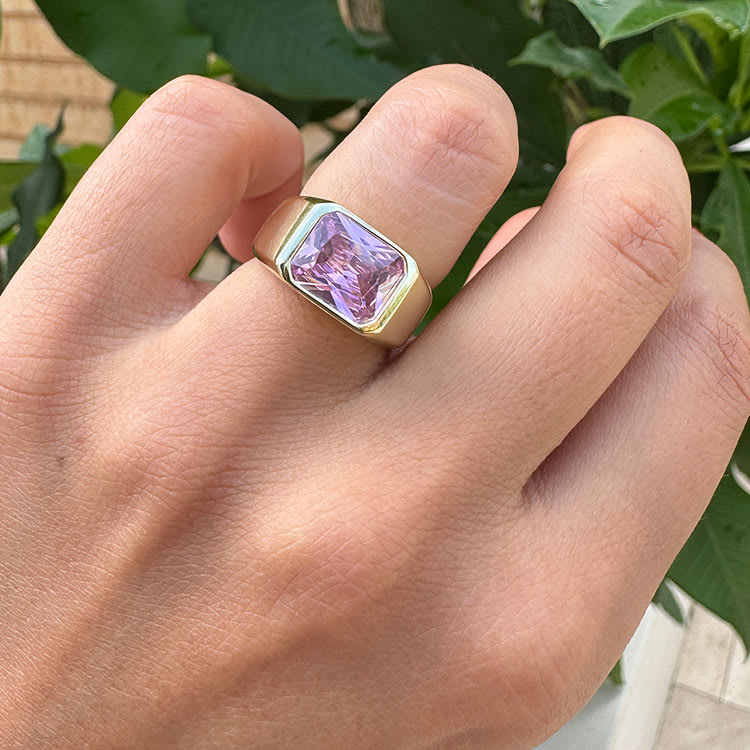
156 197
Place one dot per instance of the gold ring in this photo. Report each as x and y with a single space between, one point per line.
345 267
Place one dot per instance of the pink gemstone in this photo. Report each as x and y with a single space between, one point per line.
347 268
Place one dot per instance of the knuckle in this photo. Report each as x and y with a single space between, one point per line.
718 333
183 94
459 120
639 229
334 568
630 178
208 120
190 105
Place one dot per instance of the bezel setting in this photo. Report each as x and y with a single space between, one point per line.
285 233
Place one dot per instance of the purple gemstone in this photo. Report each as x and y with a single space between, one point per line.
348 268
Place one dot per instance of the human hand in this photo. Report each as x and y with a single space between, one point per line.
226 521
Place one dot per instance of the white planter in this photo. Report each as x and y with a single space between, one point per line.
628 717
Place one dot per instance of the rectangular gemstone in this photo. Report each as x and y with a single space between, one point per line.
348 268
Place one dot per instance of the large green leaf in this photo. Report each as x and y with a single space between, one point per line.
571 63
617 19
140 44
486 35
33 198
666 91
741 456
714 564
299 50
569 23
727 212
123 106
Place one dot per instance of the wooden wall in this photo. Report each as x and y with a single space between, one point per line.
38 73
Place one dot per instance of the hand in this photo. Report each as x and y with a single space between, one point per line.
226 521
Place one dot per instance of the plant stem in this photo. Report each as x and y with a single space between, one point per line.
740 93
715 164
689 53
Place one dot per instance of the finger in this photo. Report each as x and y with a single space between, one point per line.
436 152
623 492
502 237
424 167
150 205
536 338
248 217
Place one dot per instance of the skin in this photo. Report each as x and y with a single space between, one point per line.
227 521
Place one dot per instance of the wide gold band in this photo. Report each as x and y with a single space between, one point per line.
287 229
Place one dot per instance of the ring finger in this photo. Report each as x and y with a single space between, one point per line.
424 167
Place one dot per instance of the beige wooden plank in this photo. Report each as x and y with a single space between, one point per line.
70 81
19 6
82 122
9 148
31 37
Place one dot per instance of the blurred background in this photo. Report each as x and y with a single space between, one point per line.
38 74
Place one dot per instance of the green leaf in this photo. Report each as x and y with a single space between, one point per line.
713 566
11 174
32 148
76 162
741 456
486 35
571 63
5 239
740 93
8 219
665 599
139 44
723 51
297 110
299 50
33 198
219 67
618 19
727 212
123 105
667 92
43 222
569 23
616 675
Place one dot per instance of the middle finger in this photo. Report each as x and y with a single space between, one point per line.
423 167
529 345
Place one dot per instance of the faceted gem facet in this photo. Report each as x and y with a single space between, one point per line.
348 268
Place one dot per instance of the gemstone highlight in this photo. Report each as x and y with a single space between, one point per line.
347 268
